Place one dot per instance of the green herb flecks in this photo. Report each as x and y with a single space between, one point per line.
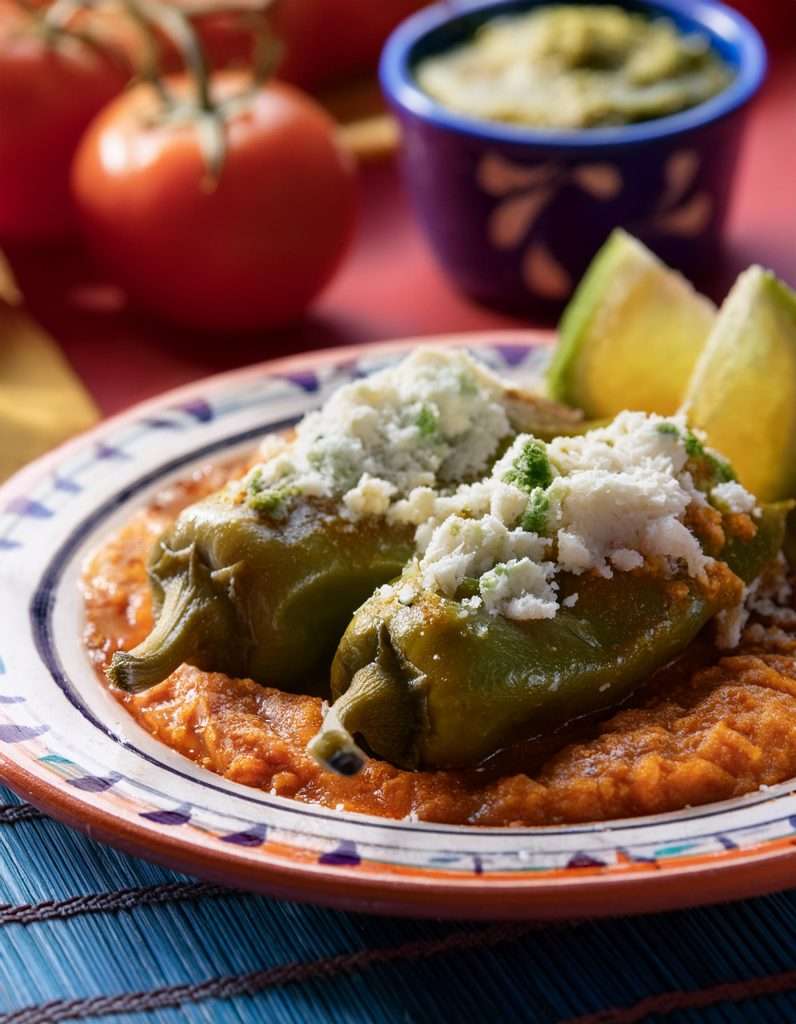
427 423
467 588
467 386
268 499
531 469
694 448
336 464
534 519
722 471
717 470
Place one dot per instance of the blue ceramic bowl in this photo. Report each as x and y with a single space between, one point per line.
515 214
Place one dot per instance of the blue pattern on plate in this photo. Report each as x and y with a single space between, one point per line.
547 976
529 850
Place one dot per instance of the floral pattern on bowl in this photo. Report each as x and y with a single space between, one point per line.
515 215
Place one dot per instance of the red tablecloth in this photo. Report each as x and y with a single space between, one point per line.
390 286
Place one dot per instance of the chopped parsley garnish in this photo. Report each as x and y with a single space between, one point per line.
717 469
467 386
467 588
426 422
336 464
693 446
268 500
534 519
531 468
531 471
722 471
255 483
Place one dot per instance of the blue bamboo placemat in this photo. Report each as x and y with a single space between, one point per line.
87 933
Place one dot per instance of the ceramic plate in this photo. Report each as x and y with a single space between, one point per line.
69 748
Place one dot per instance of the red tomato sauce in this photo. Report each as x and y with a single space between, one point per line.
707 728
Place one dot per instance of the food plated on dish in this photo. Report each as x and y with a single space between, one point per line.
442 598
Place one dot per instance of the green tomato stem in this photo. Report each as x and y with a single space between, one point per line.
150 70
176 24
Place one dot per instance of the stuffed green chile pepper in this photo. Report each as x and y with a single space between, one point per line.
260 579
241 593
632 539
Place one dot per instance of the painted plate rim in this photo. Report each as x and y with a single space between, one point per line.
581 888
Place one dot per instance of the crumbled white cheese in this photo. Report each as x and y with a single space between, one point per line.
574 554
626 559
730 624
427 509
394 445
271 445
407 594
496 495
570 602
769 598
771 595
732 497
603 515
470 547
520 589
435 418
619 496
610 499
687 482
370 497
671 539
630 439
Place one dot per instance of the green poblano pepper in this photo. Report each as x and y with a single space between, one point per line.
264 587
252 594
432 684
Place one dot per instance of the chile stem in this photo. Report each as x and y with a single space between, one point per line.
379 706
197 625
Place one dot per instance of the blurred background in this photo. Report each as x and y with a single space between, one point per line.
386 283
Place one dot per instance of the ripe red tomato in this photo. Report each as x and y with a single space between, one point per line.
250 252
49 93
327 40
324 41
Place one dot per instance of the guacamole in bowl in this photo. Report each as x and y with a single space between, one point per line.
572 67
515 210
